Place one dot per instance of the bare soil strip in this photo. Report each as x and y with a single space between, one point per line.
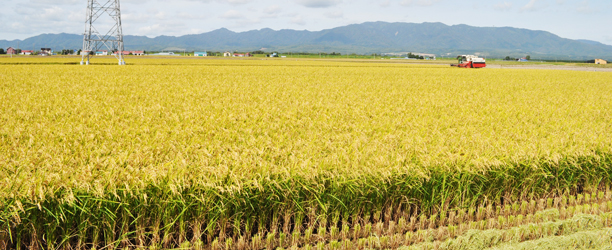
550 67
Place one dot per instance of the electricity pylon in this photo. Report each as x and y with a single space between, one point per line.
112 40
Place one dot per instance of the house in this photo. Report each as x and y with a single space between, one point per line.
11 51
227 54
125 53
138 52
243 55
102 53
600 61
200 54
45 52
27 52
524 59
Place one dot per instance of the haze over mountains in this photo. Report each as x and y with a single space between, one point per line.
365 38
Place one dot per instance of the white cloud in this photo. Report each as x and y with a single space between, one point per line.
386 3
237 2
52 14
190 16
531 6
272 10
232 14
298 20
56 2
249 21
161 28
232 2
503 6
132 17
334 14
409 3
318 3
585 7
160 15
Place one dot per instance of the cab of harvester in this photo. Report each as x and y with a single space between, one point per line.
470 61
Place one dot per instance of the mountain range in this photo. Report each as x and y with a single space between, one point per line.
365 38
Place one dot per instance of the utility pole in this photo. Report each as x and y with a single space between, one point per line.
93 39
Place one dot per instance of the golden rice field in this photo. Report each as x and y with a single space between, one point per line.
301 154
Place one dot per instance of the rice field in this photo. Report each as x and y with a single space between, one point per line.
308 154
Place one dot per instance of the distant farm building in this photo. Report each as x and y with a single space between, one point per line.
600 61
411 55
426 56
101 53
127 53
46 51
11 51
227 54
243 55
200 54
166 54
27 52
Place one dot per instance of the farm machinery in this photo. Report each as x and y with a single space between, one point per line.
470 61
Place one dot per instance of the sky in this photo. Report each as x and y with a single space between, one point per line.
574 19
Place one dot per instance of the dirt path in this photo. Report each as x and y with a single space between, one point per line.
552 67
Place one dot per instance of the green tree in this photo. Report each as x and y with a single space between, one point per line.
528 58
2 52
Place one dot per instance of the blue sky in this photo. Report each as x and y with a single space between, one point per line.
575 19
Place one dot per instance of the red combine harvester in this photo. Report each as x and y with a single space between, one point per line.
470 61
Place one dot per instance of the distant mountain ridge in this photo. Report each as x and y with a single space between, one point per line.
365 38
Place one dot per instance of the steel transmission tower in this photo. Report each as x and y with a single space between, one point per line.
105 12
